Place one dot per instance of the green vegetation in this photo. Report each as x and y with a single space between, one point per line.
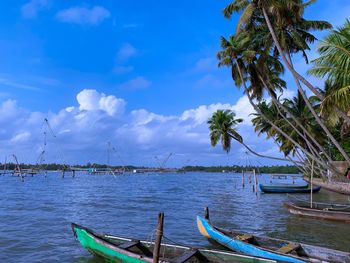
307 129
277 169
235 168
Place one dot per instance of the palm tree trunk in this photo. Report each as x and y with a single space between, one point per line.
278 105
297 77
296 163
289 66
261 155
272 124
339 111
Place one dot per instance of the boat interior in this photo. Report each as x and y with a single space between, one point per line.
276 245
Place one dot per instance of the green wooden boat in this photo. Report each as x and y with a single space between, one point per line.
119 249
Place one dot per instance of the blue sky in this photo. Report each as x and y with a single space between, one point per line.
141 74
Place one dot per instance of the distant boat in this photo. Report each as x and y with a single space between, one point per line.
284 188
270 248
320 210
119 249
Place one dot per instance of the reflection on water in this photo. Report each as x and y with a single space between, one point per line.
36 215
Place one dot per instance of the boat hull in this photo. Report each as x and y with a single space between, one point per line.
318 213
304 252
287 190
110 248
207 230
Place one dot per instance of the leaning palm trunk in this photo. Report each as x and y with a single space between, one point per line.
261 155
298 164
273 125
298 77
305 133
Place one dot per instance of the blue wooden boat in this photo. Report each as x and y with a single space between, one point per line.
291 189
269 248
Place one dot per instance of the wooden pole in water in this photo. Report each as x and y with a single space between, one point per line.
255 182
206 213
311 177
243 178
159 235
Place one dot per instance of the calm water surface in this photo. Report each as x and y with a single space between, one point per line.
35 215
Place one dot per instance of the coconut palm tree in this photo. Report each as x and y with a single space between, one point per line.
334 65
222 128
290 34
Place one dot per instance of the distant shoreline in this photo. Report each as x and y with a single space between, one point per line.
273 169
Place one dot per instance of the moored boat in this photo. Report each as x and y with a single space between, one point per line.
281 189
119 249
271 248
320 210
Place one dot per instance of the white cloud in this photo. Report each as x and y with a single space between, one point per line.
15 84
200 115
21 137
82 131
91 100
33 7
126 51
83 15
136 83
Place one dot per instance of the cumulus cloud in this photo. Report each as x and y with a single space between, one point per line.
83 15
91 100
21 137
83 130
33 7
126 51
136 83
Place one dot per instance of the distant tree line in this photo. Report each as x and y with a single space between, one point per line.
285 169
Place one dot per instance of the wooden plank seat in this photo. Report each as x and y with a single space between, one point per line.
130 244
288 248
244 237
185 256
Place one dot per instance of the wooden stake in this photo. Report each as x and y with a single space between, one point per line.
311 177
206 213
255 182
159 235
242 178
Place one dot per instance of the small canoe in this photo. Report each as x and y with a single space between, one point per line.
270 248
119 249
275 189
321 211
287 185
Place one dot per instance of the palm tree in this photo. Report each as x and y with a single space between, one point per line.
290 34
239 59
334 65
222 128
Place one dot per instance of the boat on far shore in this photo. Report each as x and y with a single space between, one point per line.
287 188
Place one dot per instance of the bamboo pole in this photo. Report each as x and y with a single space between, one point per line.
311 177
255 182
243 178
159 235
